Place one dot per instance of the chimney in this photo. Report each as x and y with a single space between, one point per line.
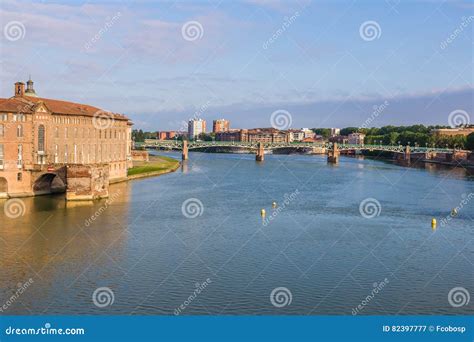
19 89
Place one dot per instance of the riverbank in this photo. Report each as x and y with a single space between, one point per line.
157 165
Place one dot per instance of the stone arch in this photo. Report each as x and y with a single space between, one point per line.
48 183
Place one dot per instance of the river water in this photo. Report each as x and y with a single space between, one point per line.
194 242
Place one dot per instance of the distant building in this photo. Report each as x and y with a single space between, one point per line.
296 135
166 135
220 125
335 131
268 135
196 127
464 131
340 139
308 133
356 138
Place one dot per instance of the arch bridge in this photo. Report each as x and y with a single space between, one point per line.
333 150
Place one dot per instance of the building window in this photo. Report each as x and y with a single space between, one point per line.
41 138
20 156
19 176
2 130
56 132
56 155
19 131
65 154
1 156
66 135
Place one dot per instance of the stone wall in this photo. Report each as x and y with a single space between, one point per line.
139 155
87 182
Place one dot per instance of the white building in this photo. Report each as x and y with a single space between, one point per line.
335 131
308 133
356 138
296 135
196 127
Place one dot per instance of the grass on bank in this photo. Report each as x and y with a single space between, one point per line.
156 164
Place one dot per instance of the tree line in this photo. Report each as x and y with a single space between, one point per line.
419 135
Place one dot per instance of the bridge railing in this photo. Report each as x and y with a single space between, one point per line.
327 145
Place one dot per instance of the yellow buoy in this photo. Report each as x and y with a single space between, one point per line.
433 223
262 212
274 205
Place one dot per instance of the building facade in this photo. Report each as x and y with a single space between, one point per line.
266 135
296 135
335 131
356 138
195 128
166 135
220 125
451 132
39 134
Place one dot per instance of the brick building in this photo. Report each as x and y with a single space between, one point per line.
220 125
268 135
38 135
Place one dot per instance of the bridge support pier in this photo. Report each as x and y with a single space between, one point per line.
260 152
333 154
407 155
184 154
87 182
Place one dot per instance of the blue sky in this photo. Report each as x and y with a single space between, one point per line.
250 59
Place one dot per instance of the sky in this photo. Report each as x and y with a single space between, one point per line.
315 63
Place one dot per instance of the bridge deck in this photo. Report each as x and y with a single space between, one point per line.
253 145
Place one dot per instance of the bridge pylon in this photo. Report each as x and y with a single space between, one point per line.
333 154
184 154
260 152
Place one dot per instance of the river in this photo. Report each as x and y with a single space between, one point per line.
194 242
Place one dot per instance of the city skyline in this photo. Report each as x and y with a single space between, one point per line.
250 59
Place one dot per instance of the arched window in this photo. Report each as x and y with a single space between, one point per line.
19 131
41 138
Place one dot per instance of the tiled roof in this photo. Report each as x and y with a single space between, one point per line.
27 104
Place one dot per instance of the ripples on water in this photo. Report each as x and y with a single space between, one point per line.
318 246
